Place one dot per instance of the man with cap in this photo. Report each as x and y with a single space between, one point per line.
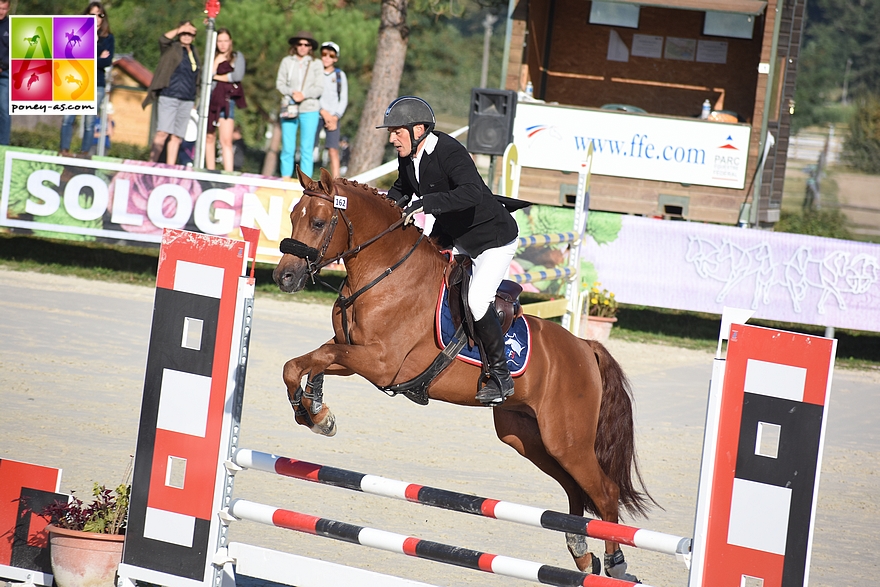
437 169
334 101
300 81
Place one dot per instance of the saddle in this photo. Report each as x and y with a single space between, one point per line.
458 278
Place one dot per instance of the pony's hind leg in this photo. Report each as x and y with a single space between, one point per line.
520 432
571 443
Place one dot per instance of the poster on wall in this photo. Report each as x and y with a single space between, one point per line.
647 46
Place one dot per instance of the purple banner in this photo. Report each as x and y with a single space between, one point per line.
704 267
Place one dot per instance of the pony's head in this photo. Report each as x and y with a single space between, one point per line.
329 220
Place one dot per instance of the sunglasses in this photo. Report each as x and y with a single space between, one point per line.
188 34
328 54
303 44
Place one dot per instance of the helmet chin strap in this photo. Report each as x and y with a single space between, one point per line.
416 142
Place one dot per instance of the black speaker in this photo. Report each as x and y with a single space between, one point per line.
491 121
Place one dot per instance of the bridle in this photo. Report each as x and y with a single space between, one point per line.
315 257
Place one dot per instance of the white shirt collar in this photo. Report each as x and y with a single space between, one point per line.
430 143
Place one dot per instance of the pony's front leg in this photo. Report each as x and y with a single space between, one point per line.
308 404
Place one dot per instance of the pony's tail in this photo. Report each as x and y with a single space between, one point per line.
615 438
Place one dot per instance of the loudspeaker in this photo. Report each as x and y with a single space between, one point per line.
491 121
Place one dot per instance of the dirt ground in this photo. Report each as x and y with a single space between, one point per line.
72 355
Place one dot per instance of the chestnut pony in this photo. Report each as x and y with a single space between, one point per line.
571 412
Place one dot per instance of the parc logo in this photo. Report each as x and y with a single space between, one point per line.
728 161
53 64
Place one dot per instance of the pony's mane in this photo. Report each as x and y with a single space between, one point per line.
367 188
374 193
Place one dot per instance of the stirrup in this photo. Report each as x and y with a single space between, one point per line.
491 393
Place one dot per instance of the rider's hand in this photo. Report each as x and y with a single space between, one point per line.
410 211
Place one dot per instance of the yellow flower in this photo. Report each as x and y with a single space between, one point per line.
594 300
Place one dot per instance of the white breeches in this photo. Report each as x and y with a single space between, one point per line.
489 268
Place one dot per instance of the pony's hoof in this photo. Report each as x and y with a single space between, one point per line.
615 567
327 426
577 546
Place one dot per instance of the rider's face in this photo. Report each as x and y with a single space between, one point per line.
399 137
4 9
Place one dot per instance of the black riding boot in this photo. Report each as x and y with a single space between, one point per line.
500 384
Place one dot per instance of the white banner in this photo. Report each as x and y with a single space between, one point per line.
83 199
696 152
704 267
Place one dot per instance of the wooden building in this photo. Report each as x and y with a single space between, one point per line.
130 80
652 64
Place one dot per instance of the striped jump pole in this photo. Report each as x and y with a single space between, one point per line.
433 551
544 275
460 502
548 239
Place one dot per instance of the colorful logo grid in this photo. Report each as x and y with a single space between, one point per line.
53 64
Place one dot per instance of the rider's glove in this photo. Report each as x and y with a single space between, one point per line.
410 211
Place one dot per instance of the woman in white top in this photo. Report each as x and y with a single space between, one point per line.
301 82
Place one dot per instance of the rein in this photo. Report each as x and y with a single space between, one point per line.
315 258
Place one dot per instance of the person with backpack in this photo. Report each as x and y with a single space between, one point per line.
334 101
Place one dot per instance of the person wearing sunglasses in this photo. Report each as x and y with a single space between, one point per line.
105 49
300 81
173 88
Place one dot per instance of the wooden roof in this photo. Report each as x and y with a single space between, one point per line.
741 6
135 69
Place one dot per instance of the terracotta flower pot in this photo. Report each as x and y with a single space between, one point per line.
596 328
84 559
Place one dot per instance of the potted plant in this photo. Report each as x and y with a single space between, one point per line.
599 313
85 540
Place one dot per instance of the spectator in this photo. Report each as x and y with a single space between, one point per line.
174 84
301 82
226 94
106 46
334 101
4 72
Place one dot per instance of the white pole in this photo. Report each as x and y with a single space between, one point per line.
205 95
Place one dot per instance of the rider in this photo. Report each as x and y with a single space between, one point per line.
439 172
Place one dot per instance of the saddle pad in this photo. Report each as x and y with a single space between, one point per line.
517 340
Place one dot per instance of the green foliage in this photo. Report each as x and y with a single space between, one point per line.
836 31
105 514
443 62
862 149
828 223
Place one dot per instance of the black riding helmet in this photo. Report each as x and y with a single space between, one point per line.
407 111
